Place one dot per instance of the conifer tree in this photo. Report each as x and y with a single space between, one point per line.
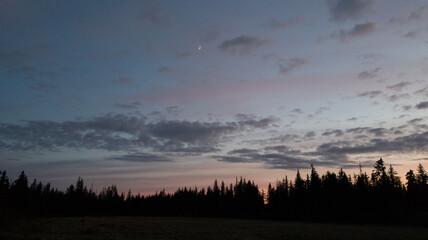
411 180
421 176
394 180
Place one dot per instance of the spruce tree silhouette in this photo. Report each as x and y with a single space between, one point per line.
394 180
411 180
379 177
421 177
4 182
330 197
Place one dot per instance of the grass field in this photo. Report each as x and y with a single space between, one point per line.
197 228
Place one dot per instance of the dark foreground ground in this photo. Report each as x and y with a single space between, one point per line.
197 228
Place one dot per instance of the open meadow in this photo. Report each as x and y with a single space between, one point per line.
197 228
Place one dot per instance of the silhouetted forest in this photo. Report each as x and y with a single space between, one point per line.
333 197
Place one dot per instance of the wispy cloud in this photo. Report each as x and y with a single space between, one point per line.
292 64
310 134
44 87
276 24
416 15
369 74
119 132
297 111
406 107
243 45
132 105
347 35
399 86
139 157
396 97
164 69
331 154
370 94
422 91
336 132
411 34
283 157
209 34
359 30
342 10
155 14
422 105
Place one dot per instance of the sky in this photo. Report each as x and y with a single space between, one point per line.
153 95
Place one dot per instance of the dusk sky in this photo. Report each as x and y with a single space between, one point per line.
162 94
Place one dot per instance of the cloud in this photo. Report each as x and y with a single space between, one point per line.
422 105
415 121
422 91
358 31
411 34
40 81
396 97
369 74
155 15
395 20
297 111
370 57
342 10
173 110
139 157
203 133
183 55
292 64
43 87
247 120
243 151
337 133
271 160
310 134
195 133
132 105
37 53
276 24
399 86
285 138
378 132
417 142
282 157
163 69
357 130
416 15
335 153
273 56
406 107
280 148
119 132
26 72
243 45
370 94
209 34
321 110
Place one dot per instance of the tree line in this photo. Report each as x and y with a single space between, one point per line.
380 197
